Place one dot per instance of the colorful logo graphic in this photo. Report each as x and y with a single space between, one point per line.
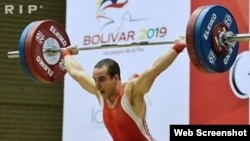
104 4
117 23
115 13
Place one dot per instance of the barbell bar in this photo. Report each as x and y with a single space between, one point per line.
211 35
51 50
239 38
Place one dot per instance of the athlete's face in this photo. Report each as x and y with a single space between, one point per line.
104 83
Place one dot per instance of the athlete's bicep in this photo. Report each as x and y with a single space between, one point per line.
143 83
76 71
86 82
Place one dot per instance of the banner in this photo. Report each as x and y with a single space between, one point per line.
91 23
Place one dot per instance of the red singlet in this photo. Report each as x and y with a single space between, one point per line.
122 122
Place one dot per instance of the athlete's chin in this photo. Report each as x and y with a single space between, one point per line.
103 94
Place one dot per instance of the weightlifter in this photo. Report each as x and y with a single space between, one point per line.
123 103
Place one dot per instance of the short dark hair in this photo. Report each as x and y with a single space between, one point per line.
112 66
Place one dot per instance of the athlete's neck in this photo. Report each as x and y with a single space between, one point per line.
112 98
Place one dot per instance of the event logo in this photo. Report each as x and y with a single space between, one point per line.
239 75
96 117
117 24
114 13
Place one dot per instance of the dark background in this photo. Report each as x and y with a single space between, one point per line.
29 111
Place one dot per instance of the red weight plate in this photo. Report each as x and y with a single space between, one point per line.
44 67
190 38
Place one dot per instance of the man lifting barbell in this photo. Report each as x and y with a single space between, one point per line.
123 103
46 55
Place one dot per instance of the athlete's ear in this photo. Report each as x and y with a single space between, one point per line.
116 77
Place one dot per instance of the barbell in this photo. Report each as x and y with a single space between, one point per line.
211 36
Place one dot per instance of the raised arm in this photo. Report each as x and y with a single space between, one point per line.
76 71
143 83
